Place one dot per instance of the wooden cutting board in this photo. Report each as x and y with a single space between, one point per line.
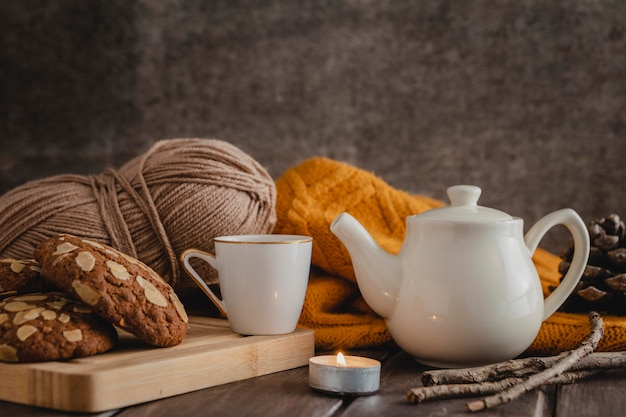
134 372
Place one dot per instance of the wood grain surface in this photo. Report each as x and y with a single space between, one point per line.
287 393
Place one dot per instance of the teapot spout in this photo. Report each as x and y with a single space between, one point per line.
377 271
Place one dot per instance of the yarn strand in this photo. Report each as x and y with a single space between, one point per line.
105 192
153 216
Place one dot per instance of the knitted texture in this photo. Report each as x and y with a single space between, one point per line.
313 193
309 197
180 194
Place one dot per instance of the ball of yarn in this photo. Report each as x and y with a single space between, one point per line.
180 194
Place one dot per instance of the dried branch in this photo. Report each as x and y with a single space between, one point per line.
519 368
421 394
541 378
516 368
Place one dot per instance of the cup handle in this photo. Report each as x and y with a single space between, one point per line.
570 219
211 260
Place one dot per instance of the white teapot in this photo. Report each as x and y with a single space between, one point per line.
463 290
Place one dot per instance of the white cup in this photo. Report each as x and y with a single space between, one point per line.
263 280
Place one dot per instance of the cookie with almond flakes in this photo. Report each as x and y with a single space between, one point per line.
118 287
22 277
49 326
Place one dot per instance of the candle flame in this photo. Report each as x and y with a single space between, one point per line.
341 360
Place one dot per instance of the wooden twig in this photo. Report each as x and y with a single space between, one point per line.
541 378
421 394
513 368
519 368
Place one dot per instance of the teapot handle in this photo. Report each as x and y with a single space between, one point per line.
570 219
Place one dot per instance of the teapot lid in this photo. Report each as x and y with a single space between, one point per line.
463 207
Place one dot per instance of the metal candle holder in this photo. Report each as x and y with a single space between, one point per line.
355 376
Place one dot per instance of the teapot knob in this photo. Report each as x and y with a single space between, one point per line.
463 195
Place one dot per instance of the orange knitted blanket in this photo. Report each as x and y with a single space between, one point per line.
313 193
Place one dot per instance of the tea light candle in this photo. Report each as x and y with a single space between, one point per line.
344 375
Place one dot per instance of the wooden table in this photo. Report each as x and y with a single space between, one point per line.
287 394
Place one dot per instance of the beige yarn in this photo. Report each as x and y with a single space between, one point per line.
180 194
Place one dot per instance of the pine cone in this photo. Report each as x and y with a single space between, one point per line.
603 284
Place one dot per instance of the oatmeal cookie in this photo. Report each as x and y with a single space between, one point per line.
50 326
118 287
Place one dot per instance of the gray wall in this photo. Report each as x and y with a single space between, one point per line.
524 98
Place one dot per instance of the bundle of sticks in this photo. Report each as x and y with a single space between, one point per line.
505 381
